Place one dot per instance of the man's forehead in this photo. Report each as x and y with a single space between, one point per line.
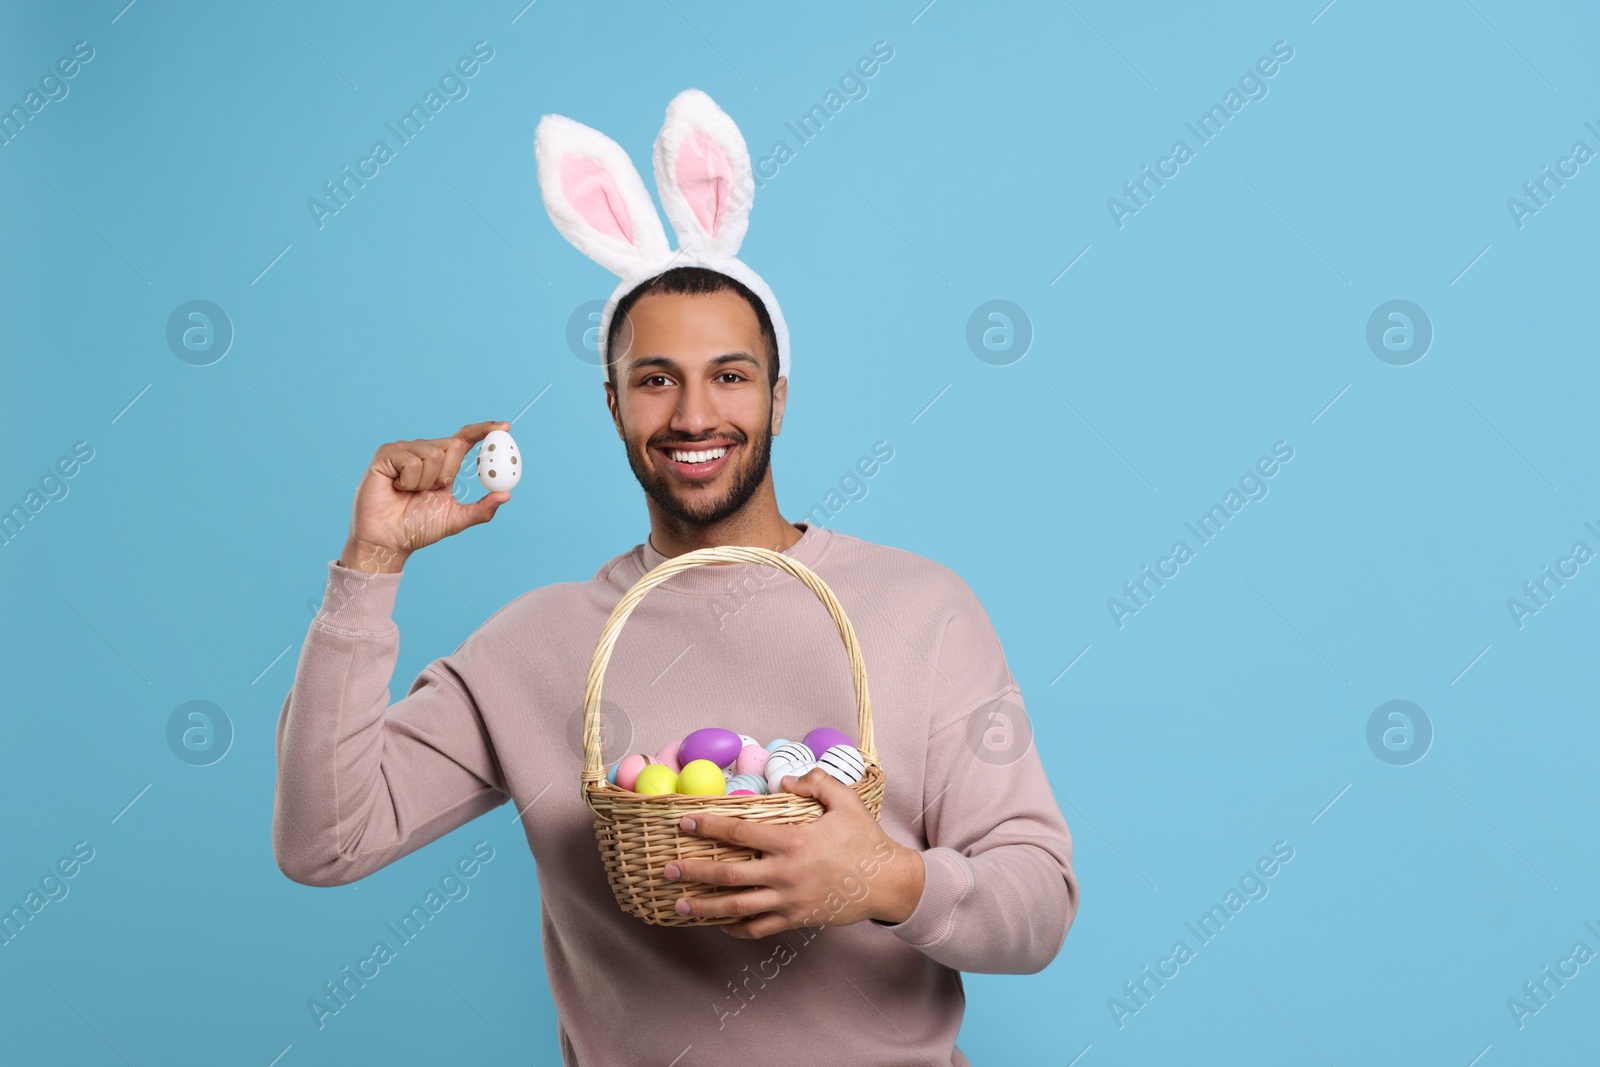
663 328
723 306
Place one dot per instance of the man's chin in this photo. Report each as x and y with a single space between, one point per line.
701 503
695 506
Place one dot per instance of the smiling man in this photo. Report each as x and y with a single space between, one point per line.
847 926
702 450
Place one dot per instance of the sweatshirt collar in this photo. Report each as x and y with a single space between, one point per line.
719 579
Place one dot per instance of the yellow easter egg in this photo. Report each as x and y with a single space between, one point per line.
702 778
656 779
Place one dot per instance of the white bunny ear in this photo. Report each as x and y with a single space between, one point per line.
703 175
596 198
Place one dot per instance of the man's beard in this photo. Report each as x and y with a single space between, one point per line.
705 511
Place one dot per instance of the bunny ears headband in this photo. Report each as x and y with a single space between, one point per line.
598 202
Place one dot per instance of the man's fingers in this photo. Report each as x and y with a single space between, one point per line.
749 903
826 788
390 460
408 468
718 872
477 431
455 450
460 443
737 831
403 462
482 509
432 464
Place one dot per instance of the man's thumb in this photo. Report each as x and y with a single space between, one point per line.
483 510
822 786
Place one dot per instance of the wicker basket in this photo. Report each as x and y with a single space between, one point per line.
639 834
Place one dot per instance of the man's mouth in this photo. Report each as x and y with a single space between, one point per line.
696 463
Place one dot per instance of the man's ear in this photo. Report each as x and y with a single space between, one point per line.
780 395
616 412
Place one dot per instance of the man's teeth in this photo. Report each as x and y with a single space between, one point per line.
698 457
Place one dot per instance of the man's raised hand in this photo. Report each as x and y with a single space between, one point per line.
405 502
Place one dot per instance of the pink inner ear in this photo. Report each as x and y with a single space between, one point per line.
591 190
705 176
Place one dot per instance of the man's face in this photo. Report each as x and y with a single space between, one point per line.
692 404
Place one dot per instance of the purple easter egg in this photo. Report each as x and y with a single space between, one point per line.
669 756
752 760
823 738
713 743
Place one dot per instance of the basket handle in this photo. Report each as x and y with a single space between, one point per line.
593 769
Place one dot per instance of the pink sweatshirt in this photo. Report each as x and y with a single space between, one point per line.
363 782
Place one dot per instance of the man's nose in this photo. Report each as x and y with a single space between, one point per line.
695 413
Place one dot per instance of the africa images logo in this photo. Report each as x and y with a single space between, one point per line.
1252 87
452 87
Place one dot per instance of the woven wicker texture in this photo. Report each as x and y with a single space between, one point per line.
639 834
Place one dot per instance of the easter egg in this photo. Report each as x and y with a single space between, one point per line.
611 775
843 762
793 751
823 738
746 739
788 758
626 772
774 745
775 781
713 744
702 778
741 793
656 780
748 783
752 760
499 462
669 756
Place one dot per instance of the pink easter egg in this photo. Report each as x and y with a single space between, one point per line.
752 760
628 770
713 743
823 738
742 793
669 756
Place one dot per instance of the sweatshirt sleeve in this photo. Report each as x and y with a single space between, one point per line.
1000 892
362 782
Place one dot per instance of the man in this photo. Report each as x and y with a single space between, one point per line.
851 933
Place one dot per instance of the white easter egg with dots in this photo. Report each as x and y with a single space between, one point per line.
499 462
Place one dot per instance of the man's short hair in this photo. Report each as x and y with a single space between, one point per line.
692 281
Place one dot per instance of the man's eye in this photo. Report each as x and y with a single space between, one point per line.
654 378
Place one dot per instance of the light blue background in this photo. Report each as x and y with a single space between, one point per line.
1223 317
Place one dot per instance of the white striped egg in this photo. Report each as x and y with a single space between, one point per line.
775 782
845 763
793 757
